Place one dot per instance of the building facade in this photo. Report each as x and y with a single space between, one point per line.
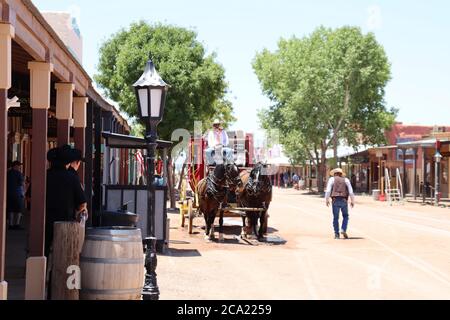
46 99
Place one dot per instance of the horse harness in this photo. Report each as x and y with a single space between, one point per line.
252 186
214 189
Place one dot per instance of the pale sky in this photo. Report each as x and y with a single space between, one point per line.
415 36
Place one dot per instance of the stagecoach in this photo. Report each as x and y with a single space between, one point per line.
198 168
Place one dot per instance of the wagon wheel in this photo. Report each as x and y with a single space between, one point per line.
190 216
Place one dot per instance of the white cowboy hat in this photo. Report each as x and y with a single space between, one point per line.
217 121
337 170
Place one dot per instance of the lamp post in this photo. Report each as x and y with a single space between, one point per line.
151 95
437 158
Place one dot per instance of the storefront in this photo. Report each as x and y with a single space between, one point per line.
56 104
422 175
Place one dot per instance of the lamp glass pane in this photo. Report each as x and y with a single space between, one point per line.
143 99
155 96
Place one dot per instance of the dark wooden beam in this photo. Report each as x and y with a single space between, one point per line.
3 168
63 132
39 178
97 198
415 172
89 158
405 187
79 140
107 121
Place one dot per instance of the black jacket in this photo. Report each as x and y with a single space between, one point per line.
64 196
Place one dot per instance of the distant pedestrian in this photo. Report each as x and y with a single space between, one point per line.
15 198
339 189
286 179
295 180
301 184
353 181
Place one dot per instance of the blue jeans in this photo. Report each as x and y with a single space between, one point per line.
340 204
211 157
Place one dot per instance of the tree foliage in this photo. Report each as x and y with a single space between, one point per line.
198 87
326 87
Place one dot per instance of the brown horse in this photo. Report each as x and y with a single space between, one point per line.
212 195
255 192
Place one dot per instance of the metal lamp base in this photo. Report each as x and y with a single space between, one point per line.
150 290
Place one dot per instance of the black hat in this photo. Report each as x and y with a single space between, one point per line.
76 155
64 154
52 155
16 163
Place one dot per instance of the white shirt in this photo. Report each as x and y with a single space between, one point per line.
330 188
214 139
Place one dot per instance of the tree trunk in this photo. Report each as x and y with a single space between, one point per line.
180 183
171 183
335 149
322 169
173 205
318 176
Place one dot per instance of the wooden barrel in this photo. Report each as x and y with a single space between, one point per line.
112 264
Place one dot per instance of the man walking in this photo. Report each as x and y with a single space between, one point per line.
339 189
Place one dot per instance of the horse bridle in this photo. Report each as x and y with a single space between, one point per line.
236 181
255 182
214 187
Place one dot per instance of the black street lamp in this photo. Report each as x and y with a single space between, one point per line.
151 96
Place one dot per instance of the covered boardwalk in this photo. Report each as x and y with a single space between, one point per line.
415 161
46 99
423 160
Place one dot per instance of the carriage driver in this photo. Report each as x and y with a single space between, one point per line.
217 138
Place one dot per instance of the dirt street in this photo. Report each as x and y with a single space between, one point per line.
398 252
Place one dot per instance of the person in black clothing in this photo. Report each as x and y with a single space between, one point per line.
75 157
65 196
15 195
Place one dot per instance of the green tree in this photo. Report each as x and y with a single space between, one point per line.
328 88
198 87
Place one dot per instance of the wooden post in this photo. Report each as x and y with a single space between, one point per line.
88 156
66 253
79 126
405 187
40 79
415 173
380 179
424 173
64 101
97 197
165 167
171 182
3 186
6 35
